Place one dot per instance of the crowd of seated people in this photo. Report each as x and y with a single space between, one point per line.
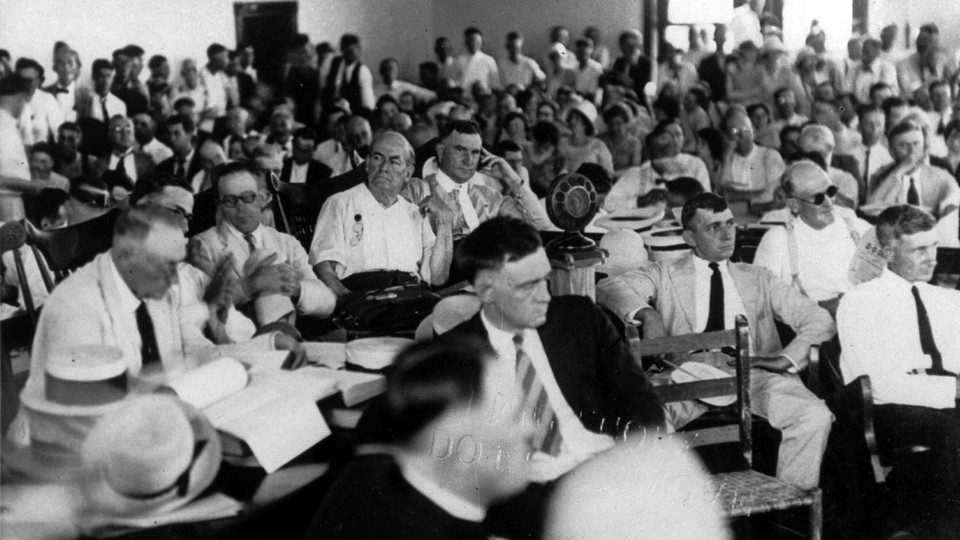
443 181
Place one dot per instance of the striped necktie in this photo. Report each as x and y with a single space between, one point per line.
535 404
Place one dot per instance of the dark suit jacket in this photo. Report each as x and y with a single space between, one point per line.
371 499
592 365
632 76
316 172
168 165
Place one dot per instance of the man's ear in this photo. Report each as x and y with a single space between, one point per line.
793 205
483 285
267 198
688 238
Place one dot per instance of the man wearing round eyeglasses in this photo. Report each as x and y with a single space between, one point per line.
814 250
705 292
749 174
276 280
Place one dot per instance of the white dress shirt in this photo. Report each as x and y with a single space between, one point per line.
523 73
41 118
578 442
66 97
588 78
345 73
216 85
877 324
879 157
114 104
478 67
298 173
397 88
392 238
129 163
863 77
823 256
758 170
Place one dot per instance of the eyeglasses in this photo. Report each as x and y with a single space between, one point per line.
820 198
357 230
232 201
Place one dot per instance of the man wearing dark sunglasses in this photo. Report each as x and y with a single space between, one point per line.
814 250
276 279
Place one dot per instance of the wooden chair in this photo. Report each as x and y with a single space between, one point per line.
747 241
741 493
65 250
297 208
853 405
14 237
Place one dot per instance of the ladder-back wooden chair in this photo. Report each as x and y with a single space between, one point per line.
65 250
741 493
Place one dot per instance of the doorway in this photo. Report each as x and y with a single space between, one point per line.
268 27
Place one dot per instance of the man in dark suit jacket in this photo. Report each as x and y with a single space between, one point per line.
453 457
712 68
301 168
592 382
183 141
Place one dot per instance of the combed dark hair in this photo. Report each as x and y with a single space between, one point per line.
156 61
349 40
703 201
951 127
867 108
891 103
133 50
756 106
494 242
904 126
685 187
429 379
215 49
614 111
669 105
471 30
155 184
47 204
902 220
183 120
29 63
101 63
233 167
545 131
305 133
467 127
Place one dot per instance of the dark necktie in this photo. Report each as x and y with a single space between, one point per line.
715 317
149 351
251 241
866 167
180 168
913 196
103 110
927 344
535 404
121 166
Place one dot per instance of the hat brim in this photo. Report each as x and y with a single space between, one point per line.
102 503
640 219
33 399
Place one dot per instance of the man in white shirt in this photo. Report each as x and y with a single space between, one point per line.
276 279
447 65
370 228
190 86
912 180
124 157
901 331
389 70
871 70
559 42
476 66
750 173
66 64
214 79
144 129
588 71
705 292
516 68
14 167
101 104
333 152
940 115
42 116
818 139
814 254
872 153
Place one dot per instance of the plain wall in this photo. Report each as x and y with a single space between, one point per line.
495 18
946 13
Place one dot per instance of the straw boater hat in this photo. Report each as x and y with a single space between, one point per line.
625 252
635 219
666 243
148 458
80 384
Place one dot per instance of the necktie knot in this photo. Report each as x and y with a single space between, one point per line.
251 241
714 266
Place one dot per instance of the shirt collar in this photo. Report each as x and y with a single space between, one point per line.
448 184
703 265
450 503
499 338
257 233
128 300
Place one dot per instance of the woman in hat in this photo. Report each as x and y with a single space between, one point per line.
582 146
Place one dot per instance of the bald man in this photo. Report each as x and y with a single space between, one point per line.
814 251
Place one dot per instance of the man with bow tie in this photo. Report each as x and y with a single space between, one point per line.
124 157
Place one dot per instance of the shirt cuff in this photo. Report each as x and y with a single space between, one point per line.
795 368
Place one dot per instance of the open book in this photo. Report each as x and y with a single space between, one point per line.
274 412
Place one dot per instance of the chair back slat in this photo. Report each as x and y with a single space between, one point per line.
69 248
